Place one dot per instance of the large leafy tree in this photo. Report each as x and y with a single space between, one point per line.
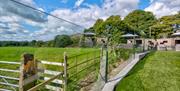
113 27
62 41
98 26
140 21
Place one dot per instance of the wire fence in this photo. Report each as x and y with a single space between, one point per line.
82 70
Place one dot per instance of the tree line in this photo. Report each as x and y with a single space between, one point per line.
58 41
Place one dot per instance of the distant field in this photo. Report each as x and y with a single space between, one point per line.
159 71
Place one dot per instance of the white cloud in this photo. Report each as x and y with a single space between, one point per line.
164 7
51 26
87 16
78 3
12 14
151 1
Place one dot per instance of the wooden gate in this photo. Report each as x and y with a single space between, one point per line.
22 82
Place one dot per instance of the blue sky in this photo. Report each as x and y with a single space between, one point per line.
50 5
143 4
21 23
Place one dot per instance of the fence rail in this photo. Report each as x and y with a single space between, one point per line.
7 77
8 84
46 79
5 89
45 82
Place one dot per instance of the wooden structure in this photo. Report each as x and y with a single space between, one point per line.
28 77
28 72
88 39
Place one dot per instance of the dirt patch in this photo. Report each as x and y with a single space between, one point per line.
114 69
87 83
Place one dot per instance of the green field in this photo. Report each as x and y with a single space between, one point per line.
49 54
159 71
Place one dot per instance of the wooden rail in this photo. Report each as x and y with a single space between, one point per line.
52 63
54 81
7 62
8 84
5 89
42 61
45 82
8 70
50 72
7 77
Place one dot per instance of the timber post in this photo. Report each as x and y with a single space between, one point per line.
28 72
65 72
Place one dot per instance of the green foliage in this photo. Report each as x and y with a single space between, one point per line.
163 28
98 27
123 53
140 21
113 27
62 41
89 30
76 40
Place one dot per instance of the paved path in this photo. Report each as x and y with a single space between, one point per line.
113 81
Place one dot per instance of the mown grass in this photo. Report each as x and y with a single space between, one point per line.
49 54
159 71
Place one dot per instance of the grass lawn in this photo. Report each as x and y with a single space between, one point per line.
159 71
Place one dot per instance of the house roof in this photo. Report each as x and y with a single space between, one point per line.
128 35
176 34
89 34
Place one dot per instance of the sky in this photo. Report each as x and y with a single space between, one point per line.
20 23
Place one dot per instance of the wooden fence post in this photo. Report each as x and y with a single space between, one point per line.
65 71
21 77
28 72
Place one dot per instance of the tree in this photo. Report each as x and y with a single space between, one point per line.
50 43
112 28
98 27
76 39
33 43
163 28
91 29
62 41
40 43
140 21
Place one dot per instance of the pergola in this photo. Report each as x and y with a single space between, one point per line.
176 34
128 35
89 36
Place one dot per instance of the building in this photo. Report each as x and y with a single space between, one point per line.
172 43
